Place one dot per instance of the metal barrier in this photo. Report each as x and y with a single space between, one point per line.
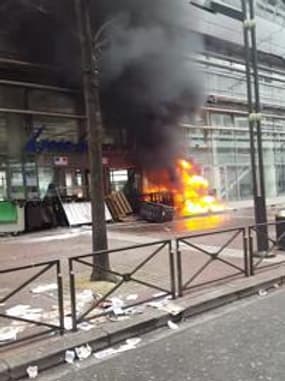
274 245
213 257
123 278
43 268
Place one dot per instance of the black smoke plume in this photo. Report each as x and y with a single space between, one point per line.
148 78
148 81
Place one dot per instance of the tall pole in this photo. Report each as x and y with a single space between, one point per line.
95 139
262 231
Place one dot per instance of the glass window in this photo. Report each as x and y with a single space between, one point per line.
118 179
223 120
41 100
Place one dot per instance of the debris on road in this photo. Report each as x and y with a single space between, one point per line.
172 325
134 341
262 292
83 352
69 357
105 353
32 371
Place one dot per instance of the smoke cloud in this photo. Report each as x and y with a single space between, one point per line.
148 78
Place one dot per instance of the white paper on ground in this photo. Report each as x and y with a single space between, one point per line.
105 353
172 325
69 357
83 352
133 341
8 334
44 288
132 297
32 371
85 326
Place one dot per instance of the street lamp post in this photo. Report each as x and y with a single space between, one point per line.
247 17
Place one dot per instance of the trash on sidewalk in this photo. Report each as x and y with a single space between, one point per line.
172 325
117 306
25 311
69 357
166 306
32 371
83 352
276 285
132 311
44 288
262 292
132 297
85 326
8 334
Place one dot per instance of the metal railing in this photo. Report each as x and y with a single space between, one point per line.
122 278
42 268
214 256
259 261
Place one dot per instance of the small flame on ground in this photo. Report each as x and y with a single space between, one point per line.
190 190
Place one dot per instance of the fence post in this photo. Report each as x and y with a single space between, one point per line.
72 295
245 252
250 241
172 270
179 269
60 297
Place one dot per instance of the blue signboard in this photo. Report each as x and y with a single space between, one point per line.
37 145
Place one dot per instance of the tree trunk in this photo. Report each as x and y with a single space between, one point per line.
95 140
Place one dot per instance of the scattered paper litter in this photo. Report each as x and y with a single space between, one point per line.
18 310
133 341
69 357
85 326
44 288
276 285
8 334
172 325
262 292
32 371
25 311
83 352
132 297
105 353
117 306
167 306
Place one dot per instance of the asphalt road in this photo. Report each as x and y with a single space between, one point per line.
242 342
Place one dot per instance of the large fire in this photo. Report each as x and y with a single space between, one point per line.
189 190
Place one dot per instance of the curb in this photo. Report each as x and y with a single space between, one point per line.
51 353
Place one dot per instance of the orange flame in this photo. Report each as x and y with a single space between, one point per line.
190 191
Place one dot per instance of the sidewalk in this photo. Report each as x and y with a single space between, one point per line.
51 352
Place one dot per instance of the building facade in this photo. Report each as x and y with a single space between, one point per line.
42 120
219 139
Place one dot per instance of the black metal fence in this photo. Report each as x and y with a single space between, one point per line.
151 250
259 261
213 256
41 269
